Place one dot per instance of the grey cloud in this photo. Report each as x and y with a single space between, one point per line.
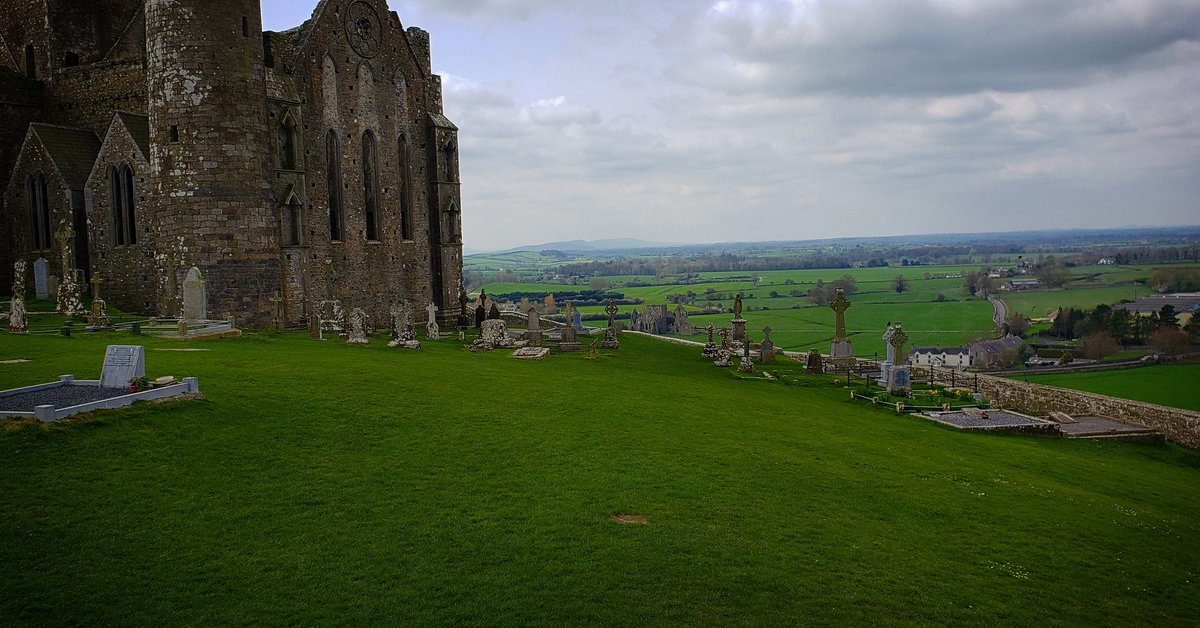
879 47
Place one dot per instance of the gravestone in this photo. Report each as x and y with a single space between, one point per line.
432 331
494 312
495 333
69 303
576 320
533 324
52 287
402 327
814 365
41 276
610 332
531 353
886 367
746 365
121 364
723 353
358 327
195 299
767 348
840 350
899 377
480 315
711 350
568 339
18 320
551 306
332 318
739 323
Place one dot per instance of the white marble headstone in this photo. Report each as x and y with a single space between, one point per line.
121 364
41 272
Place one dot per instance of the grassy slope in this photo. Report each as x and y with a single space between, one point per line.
322 483
1169 385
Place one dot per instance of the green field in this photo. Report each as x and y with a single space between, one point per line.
1172 385
798 324
320 483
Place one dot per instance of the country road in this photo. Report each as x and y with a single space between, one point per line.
1001 311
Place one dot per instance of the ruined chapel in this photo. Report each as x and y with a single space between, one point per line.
313 163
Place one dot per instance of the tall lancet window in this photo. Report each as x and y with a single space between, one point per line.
288 141
333 185
121 193
404 164
370 173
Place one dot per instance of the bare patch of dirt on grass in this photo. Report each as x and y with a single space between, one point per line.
629 519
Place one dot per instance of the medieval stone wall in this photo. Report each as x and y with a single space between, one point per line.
384 93
210 156
33 161
88 29
129 272
24 23
87 96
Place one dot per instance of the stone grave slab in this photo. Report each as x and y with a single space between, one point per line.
121 364
41 278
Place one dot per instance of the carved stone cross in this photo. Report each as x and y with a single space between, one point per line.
839 305
432 310
96 281
611 310
65 234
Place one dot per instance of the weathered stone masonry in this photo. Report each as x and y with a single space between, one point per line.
315 162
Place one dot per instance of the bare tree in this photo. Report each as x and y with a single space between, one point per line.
899 284
1170 341
1099 346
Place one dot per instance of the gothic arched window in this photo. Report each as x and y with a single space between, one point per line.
370 172
288 143
292 218
333 185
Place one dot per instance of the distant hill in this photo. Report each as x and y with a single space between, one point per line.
576 246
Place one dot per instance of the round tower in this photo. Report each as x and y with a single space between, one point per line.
210 151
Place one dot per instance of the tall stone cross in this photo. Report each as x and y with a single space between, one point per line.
65 234
767 333
276 310
611 310
839 305
432 310
96 281
897 341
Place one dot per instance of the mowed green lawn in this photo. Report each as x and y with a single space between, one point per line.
1175 385
321 483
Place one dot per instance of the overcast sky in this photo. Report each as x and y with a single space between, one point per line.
714 121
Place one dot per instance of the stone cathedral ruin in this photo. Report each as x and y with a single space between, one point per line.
313 163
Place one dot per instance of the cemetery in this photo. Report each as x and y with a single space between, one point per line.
717 465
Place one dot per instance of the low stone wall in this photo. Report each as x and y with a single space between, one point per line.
1177 425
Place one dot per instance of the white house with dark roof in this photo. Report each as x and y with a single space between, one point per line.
951 357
